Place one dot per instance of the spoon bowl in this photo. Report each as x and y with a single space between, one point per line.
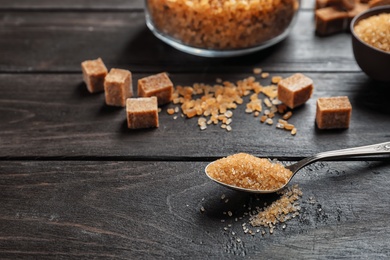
375 149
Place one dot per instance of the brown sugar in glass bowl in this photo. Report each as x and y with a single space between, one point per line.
221 28
374 61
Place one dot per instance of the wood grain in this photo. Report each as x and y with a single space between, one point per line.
74 5
90 4
59 41
53 115
139 210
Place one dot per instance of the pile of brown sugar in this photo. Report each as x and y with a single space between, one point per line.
247 171
264 218
214 104
222 24
280 211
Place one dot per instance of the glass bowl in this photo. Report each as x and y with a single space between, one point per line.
221 28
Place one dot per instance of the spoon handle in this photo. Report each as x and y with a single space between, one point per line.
382 148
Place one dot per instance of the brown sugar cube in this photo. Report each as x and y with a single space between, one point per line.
94 72
158 85
118 87
142 112
359 8
331 20
295 90
343 4
375 3
333 112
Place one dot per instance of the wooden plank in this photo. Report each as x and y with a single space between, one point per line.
72 4
58 42
53 115
143 210
90 4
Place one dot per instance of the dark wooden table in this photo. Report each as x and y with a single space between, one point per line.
76 183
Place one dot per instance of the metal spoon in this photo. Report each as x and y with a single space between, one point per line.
382 148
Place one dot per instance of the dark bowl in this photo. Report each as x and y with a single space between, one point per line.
374 62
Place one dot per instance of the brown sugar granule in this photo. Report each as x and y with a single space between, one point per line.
375 31
94 72
158 85
289 127
221 25
270 91
282 121
142 112
276 79
269 121
294 131
267 102
280 211
287 115
257 71
295 90
264 75
118 87
170 111
279 125
333 112
247 171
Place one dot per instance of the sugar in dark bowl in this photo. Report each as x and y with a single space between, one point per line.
371 42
